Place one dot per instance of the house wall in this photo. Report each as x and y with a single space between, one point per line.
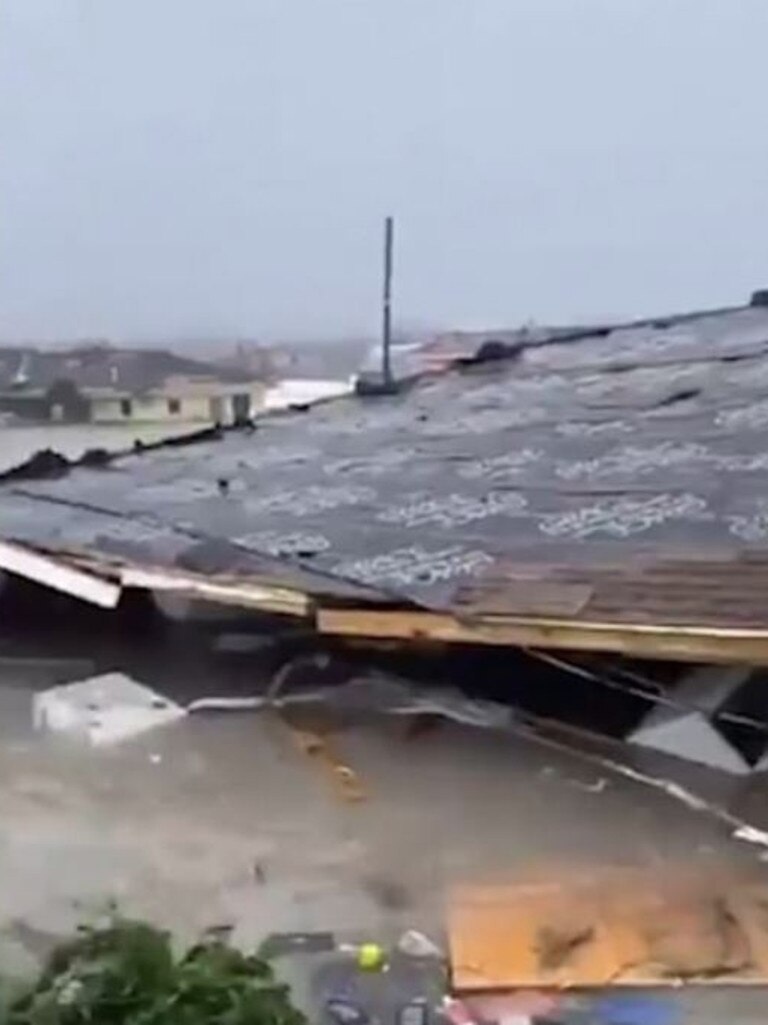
67 404
62 403
199 404
26 407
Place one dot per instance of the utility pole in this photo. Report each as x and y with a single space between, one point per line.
386 339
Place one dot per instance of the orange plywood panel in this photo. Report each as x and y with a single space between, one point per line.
615 928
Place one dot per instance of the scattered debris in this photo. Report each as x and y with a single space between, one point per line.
103 710
221 932
536 731
314 661
591 788
416 1012
456 1012
344 779
521 1004
393 695
225 704
371 957
415 944
692 727
599 785
636 1010
750 834
344 1012
279 944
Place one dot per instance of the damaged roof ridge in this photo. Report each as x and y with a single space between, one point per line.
49 463
364 507
294 560
601 329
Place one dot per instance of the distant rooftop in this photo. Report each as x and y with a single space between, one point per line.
100 367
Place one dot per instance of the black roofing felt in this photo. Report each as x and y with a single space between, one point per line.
644 436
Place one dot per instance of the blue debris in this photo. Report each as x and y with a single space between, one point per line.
637 1010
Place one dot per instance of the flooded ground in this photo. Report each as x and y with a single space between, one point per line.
71 440
221 819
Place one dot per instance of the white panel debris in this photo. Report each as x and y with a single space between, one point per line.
58 575
103 710
693 738
691 730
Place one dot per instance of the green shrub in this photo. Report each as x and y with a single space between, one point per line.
127 974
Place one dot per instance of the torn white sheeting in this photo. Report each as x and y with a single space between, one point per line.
690 728
394 696
103 710
224 704
535 729
58 575
375 693
750 834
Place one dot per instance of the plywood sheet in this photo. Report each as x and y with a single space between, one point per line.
616 927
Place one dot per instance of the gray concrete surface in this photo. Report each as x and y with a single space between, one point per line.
219 819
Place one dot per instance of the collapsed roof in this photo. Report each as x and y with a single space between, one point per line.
602 490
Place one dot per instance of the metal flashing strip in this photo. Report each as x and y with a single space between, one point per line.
82 577
59 575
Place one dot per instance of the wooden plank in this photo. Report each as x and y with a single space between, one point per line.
688 644
246 593
523 597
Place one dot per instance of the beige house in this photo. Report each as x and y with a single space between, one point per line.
109 385
180 399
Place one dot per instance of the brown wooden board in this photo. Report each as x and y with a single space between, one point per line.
610 927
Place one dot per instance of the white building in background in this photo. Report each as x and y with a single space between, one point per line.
103 384
304 391
181 399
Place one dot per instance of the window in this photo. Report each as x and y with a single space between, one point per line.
174 406
126 407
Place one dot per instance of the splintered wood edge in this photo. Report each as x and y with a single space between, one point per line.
690 644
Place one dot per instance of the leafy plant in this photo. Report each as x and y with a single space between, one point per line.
126 974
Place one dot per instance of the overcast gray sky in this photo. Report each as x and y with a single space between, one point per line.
223 166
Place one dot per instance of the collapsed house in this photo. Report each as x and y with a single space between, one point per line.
586 494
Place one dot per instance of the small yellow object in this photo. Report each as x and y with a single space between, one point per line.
370 957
